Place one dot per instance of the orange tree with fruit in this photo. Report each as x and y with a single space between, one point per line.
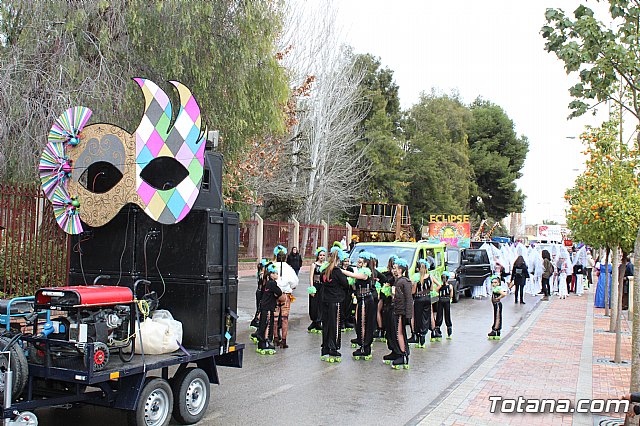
604 202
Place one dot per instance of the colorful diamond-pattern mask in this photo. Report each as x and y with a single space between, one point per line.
102 167
182 142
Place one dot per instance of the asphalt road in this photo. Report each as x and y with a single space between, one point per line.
294 387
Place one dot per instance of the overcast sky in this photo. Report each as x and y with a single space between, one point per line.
492 49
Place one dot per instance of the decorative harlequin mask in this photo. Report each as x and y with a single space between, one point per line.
90 173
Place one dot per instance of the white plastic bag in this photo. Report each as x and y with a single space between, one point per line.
160 334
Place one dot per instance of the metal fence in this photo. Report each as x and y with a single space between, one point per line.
248 240
276 233
310 239
33 249
337 233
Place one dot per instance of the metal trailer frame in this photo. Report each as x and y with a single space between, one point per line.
119 385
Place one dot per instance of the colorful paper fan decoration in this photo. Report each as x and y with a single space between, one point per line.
68 126
66 211
54 168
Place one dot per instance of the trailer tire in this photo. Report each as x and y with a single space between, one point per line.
154 404
191 393
19 367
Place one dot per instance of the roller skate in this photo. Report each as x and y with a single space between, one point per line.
266 349
412 339
389 358
421 343
348 327
355 343
254 323
449 333
494 335
283 344
311 328
436 335
362 354
334 356
254 338
401 362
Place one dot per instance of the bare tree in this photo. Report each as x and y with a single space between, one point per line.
323 167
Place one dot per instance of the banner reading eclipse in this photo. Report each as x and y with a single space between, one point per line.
456 232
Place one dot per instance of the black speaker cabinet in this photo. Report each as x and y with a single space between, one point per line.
199 306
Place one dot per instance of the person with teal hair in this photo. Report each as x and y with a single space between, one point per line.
270 294
260 279
287 281
315 292
402 314
445 294
334 285
497 294
365 308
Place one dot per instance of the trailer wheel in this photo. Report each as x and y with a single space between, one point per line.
154 405
191 392
19 367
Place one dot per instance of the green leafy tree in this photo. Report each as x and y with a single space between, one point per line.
496 156
604 57
382 136
603 204
56 54
437 156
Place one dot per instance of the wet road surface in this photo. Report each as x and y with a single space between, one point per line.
294 387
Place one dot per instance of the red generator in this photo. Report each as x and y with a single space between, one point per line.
97 314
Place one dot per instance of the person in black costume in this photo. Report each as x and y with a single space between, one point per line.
445 293
334 286
497 294
402 313
422 314
349 303
315 292
260 278
385 306
366 308
519 275
294 260
270 294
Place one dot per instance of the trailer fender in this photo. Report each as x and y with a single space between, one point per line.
129 391
208 364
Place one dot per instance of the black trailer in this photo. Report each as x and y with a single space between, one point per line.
147 386
189 268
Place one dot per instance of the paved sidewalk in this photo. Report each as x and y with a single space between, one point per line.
560 351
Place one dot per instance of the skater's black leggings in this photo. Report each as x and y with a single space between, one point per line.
545 287
444 310
497 316
314 310
331 325
265 328
366 321
387 324
398 338
346 306
519 290
422 315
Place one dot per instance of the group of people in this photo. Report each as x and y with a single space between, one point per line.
377 303
274 294
537 271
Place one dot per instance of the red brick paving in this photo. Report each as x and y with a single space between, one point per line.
545 364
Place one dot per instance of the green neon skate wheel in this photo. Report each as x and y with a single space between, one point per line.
368 357
406 366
